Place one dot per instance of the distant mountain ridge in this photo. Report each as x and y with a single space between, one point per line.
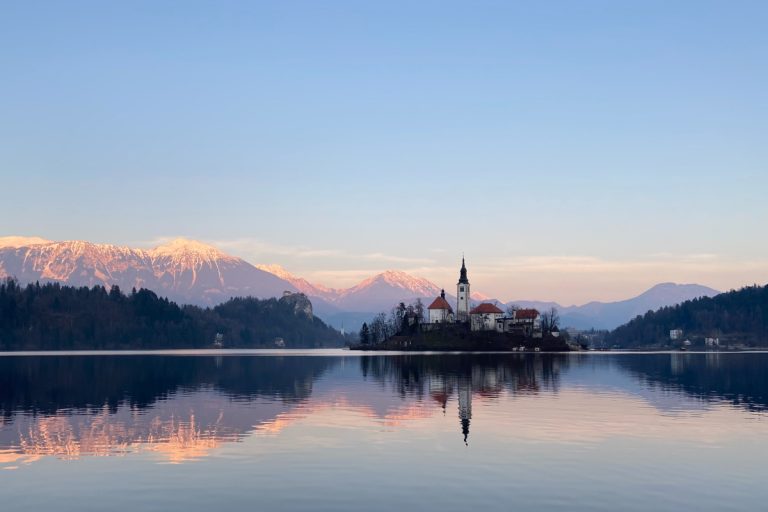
609 315
188 271
736 317
183 270
301 284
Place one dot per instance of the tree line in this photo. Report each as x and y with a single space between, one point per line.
402 320
738 316
55 317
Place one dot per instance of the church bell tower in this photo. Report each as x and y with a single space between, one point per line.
462 295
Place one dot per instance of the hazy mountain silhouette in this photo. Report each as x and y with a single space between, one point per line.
609 315
191 272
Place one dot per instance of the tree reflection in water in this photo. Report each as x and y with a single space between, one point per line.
185 406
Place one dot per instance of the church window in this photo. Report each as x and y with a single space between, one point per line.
461 288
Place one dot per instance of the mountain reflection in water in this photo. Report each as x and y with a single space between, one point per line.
181 409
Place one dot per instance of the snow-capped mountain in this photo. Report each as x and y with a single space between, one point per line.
377 293
480 297
182 270
301 284
21 241
192 272
383 291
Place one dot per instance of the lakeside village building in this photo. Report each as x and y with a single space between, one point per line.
484 316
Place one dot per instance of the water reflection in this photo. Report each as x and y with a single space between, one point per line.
486 375
736 378
181 409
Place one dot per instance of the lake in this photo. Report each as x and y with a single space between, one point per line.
344 431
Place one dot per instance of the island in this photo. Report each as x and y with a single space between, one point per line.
483 327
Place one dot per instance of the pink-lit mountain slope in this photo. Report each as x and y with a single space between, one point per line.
182 270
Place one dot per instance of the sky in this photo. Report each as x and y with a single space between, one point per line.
573 151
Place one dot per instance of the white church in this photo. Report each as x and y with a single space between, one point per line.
484 316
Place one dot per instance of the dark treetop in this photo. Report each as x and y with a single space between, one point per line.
55 317
736 317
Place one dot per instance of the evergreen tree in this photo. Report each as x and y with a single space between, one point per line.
365 335
55 317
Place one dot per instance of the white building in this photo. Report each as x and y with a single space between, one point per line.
440 311
675 334
484 317
462 295
523 321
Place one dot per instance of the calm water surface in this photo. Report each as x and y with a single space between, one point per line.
342 431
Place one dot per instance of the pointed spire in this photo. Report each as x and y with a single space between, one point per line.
463 272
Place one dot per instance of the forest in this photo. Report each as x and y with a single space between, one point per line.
738 317
55 317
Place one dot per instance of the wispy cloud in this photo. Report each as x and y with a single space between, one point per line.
377 256
572 278
257 250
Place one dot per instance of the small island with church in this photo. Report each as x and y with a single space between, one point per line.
483 327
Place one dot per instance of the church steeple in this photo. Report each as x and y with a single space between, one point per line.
462 294
463 273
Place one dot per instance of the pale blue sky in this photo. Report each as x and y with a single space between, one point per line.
573 149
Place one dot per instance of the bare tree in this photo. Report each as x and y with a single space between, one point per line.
379 328
511 310
550 320
418 308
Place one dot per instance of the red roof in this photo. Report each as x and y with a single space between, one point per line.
527 314
485 307
440 303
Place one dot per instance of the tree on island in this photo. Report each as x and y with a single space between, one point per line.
418 309
402 320
550 321
380 328
365 334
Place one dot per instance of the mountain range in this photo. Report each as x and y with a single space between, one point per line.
609 315
191 272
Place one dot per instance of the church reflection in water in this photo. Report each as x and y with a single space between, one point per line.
183 408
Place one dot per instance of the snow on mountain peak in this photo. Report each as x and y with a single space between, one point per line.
400 279
16 242
184 247
300 283
479 296
277 270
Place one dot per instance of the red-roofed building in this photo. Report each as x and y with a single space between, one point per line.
526 314
484 308
523 321
440 311
483 317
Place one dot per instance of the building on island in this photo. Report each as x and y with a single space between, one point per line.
528 320
462 295
440 312
483 317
